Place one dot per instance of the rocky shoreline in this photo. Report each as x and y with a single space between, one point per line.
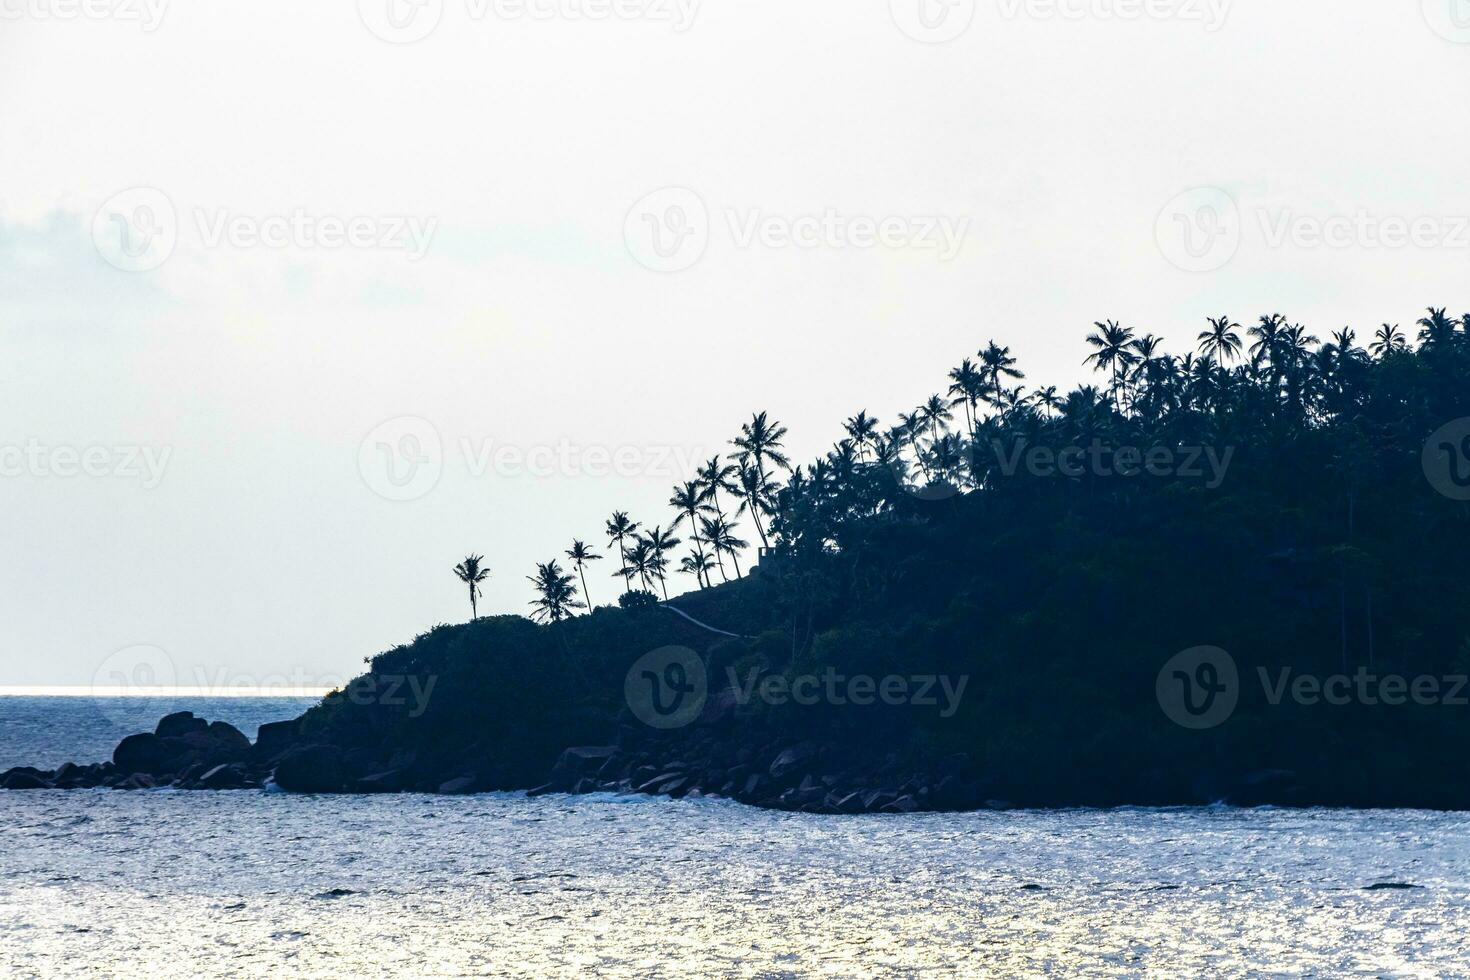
757 768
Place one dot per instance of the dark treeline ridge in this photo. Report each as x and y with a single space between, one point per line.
1322 548
950 545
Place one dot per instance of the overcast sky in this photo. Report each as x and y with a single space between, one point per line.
279 283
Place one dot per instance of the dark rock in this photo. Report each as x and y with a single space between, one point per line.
381 782
851 803
791 760
877 799
229 737
179 723
23 779
720 707
145 753
458 787
651 786
310 769
674 787
585 760
274 738
904 804
542 790
228 776
138 780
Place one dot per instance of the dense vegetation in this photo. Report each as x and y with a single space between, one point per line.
991 535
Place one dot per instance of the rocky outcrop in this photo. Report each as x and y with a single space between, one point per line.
183 751
311 769
716 757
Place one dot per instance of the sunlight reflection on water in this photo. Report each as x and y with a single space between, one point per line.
251 884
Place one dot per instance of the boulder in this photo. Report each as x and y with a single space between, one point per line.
791 761
390 781
310 769
274 738
146 753
460 786
228 776
652 785
584 760
229 737
179 723
138 780
24 779
904 804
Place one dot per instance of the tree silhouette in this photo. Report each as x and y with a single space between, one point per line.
1222 340
618 529
556 594
470 572
660 543
1112 352
580 555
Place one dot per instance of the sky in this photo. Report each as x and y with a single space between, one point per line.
302 303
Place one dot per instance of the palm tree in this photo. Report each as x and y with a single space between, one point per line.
558 596
721 536
1111 352
660 543
1388 340
908 429
1222 340
759 441
619 527
998 363
936 415
640 561
1436 331
862 429
1047 398
688 500
470 572
967 385
715 476
698 564
580 555
756 495
1267 332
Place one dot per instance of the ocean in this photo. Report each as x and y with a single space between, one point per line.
251 884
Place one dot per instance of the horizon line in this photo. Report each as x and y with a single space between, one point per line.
103 691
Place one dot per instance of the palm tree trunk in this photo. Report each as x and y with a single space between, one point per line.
583 576
755 516
474 611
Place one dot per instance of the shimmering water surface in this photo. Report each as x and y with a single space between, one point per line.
253 884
